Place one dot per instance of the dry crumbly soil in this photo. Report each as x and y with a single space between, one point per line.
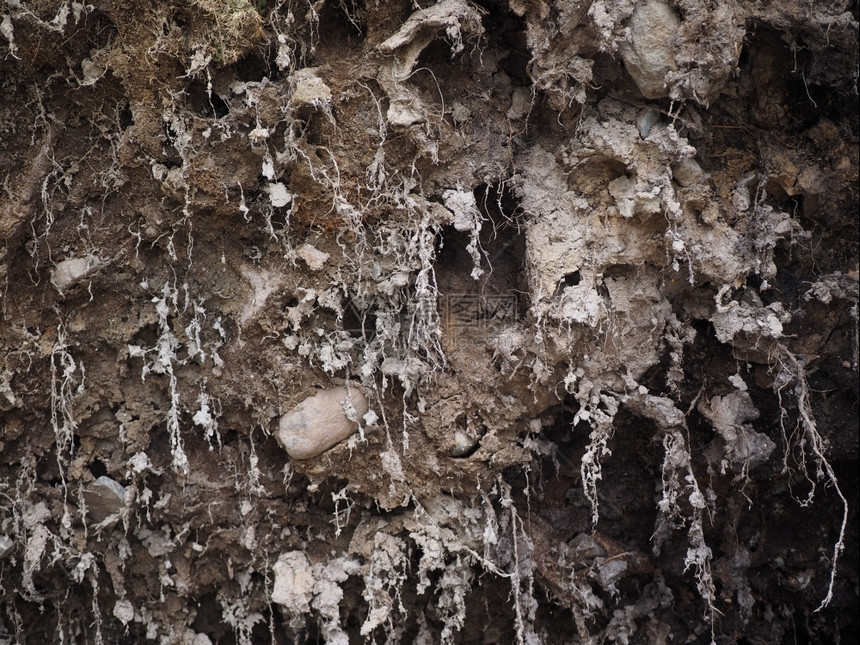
592 267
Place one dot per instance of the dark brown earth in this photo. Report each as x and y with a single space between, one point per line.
606 331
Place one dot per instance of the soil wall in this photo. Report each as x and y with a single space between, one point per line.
410 322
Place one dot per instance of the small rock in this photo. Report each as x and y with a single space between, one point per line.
69 272
6 545
687 172
648 54
464 445
313 257
645 120
104 497
401 114
321 421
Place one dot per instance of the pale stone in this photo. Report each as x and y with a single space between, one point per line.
687 172
321 421
464 445
104 497
645 120
648 53
69 272
313 257
402 115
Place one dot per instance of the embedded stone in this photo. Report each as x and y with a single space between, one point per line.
648 54
645 120
687 172
69 272
313 257
104 497
321 421
464 445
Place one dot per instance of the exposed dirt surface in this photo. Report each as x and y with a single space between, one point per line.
524 321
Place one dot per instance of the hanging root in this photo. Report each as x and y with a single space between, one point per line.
809 443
